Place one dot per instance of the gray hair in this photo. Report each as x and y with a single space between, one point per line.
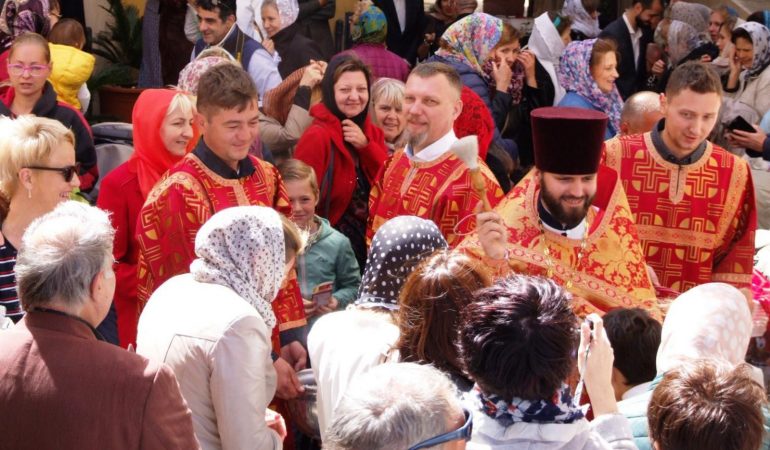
393 406
61 253
390 91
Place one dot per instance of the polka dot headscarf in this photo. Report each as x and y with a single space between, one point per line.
398 246
243 248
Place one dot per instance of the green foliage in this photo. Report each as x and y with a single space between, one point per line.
120 43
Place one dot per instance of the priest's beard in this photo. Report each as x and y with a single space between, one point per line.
415 139
569 216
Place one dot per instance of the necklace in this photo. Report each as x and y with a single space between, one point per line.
550 265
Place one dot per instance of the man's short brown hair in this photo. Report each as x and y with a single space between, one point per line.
707 404
431 69
225 86
695 76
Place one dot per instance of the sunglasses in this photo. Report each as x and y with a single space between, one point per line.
67 171
464 432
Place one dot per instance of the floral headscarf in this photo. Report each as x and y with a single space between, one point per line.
575 75
710 320
581 20
682 40
371 27
192 72
760 40
243 248
397 247
20 16
471 40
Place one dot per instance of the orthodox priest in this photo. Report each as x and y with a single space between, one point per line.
219 173
693 201
426 179
568 220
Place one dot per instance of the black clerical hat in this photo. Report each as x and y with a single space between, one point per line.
568 141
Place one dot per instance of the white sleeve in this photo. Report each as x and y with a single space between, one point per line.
191 29
264 72
248 13
243 382
84 97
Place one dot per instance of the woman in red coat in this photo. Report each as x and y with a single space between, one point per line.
163 133
345 149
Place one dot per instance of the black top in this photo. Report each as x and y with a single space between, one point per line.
665 152
213 162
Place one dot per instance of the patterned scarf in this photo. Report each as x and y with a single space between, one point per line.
242 248
683 39
471 39
574 74
370 28
558 409
760 39
397 247
693 14
516 87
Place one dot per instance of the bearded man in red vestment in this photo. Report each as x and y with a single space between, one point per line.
568 220
693 202
425 178
219 173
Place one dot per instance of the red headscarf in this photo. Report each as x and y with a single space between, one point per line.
150 157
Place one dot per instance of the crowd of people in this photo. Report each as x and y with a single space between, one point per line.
440 232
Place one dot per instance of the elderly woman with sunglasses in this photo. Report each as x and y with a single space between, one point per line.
37 172
29 65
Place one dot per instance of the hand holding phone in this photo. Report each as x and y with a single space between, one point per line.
322 293
739 123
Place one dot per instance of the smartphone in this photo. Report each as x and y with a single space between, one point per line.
322 293
739 123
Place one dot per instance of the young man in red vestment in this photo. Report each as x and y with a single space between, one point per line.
426 179
693 202
219 173
568 220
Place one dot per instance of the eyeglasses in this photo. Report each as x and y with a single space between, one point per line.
464 432
67 171
35 70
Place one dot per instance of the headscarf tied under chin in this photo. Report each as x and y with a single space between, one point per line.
243 248
470 40
760 40
575 75
581 20
150 157
371 27
327 91
708 321
397 247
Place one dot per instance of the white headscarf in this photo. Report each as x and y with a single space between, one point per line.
249 16
581 20
243 248
708 321
547 45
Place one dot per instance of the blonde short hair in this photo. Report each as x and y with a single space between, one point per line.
388 90
27 141
183 102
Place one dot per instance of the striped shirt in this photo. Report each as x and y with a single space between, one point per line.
8 296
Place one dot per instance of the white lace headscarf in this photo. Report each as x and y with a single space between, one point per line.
243 248
249 16
708 321
581 20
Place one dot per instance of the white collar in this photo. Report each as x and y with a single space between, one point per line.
635 34
434 150
636 390
575 233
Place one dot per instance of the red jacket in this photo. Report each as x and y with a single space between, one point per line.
120 195
314 148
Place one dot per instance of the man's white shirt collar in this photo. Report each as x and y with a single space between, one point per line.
434 150
636 36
